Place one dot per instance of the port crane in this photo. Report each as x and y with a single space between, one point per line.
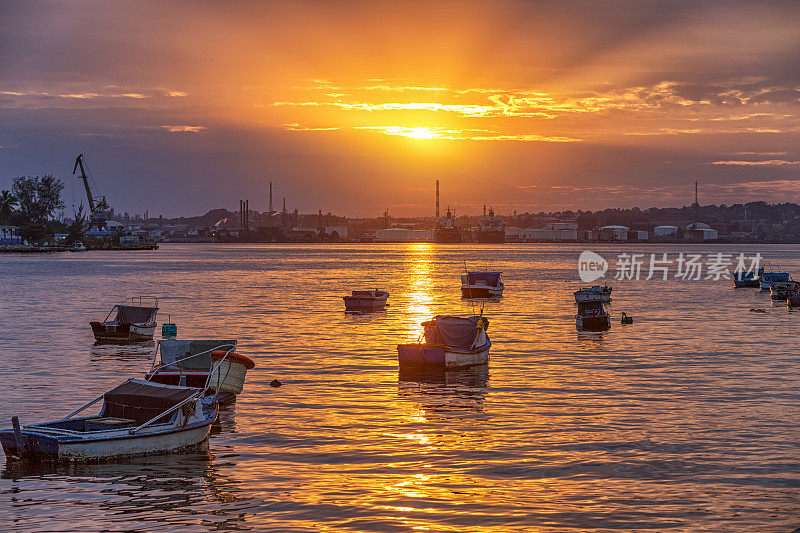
99 212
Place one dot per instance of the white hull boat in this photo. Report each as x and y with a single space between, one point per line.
132 323
481 285
450 342
138 418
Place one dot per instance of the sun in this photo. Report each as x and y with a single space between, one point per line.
419 133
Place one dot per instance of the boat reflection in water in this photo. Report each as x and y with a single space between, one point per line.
445 393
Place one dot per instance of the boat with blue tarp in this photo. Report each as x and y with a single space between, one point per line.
746 278
483 284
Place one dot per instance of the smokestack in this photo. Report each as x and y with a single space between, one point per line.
437 199
484 209
241 215
270 200
695 193
247 215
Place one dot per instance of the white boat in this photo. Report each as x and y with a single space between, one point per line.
587 294
132 323
188 362
366 301
481 285
450 342
138 418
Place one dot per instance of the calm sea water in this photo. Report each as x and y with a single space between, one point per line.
687 420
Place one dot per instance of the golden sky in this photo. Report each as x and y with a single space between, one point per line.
356 107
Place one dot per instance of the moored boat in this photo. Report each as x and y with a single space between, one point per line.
767 277
481 285
779 290
594 292
137 418
132 323
746 279
793 296
591 316
366 301
190 363
449 342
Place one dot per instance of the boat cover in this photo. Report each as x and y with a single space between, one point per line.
490 278
453 331
140 401
173 350
129 314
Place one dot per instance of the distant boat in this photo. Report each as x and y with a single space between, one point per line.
767 277
591 316
365 301
450 342
746 279
137 418
490 228
779 290
189 362
793 296
587 294
481 285
132 323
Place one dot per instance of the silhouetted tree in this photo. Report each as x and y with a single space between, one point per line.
7 204
38 198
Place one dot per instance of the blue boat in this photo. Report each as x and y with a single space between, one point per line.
747 278
768 277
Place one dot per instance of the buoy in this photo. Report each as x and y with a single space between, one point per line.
275 383
758 310
626 319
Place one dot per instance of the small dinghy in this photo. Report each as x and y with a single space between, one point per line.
793 296
365 301
481 285
592 293
138 418
591 316
746 278
450 342
188 363
132 323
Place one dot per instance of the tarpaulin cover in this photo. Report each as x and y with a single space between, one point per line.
178 349
140 401
490 278
453 331
128 314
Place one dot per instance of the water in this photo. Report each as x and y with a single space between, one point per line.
686 420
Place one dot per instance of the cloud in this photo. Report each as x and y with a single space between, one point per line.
175 93
184 129
767 163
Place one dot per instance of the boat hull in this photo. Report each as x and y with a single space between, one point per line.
490 236
355 303
592 323
438 356
793 301
112 333
746 283
40 446
481 291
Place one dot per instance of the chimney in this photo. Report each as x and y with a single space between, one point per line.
484 209
270 202
437 199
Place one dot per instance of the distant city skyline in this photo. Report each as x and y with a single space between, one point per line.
527 106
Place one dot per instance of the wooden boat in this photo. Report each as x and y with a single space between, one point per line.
591 316
138 418
132 323
366 301
746 279
587 294
450 342
481 285
779 290
191 363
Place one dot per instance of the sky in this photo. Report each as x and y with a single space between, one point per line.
358 107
